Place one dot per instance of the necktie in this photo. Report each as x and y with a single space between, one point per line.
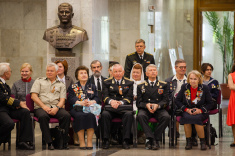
117 83
99 89
98 84
141 57
152 84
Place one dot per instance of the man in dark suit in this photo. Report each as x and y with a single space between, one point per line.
117 91
12 108
140 56
174 85
97 79
152 98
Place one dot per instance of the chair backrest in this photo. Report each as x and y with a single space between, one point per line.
218 100
29 103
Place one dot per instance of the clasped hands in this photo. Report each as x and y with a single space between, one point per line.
152 107
115 103
86 102
193 111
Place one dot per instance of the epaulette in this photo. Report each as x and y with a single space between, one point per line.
141 83
131 54
79 28
41 78
163 82
127 79
148 53
52 28
108 79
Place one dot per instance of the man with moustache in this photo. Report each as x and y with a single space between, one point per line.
97 79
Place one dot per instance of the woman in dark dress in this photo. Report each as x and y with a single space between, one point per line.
194 99
84 94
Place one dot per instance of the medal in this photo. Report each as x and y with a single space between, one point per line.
120 90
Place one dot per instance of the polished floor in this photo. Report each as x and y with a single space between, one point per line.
221 145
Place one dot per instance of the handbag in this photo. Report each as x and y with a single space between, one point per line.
120 110
59 139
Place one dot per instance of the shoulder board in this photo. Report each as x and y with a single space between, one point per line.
148 53
162 82
41 78
131 54
141 83
127 79
108 79
52 28
78 28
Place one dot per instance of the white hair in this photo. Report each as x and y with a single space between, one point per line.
117 65
53 65
151 65
3 68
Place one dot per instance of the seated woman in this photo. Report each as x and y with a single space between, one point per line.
213 84
23 86
137 75
62 73
84 94
194 99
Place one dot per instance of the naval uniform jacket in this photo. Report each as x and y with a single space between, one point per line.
148 94
6 101
112 91
204 102
213 85
134 58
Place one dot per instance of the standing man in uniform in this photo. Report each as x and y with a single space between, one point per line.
49 94
140 56
97 79
152 98
12 108
117 91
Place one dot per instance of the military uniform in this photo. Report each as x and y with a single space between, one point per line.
58 38
158 94
50 94
124 93
8 111
134 58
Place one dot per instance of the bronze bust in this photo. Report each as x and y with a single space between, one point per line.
65 36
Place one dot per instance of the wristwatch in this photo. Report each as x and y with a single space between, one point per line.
58 107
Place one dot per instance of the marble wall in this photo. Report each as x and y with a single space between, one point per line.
21 29
124 28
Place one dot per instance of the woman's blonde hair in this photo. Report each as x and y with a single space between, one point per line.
198 74
24 65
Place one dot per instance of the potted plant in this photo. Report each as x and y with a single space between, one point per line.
223 32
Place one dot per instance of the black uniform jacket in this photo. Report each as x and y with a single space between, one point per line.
6 101
134 58
76 93
204 102
123 92
148 94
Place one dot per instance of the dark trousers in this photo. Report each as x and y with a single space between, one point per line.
62 115
161 116
7 124
106 119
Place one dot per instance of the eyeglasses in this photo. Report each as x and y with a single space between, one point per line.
181 67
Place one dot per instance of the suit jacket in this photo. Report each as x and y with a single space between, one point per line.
183 99
148 94
91 79
6 101
134 58
111 91
172 85
76 93
68 82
